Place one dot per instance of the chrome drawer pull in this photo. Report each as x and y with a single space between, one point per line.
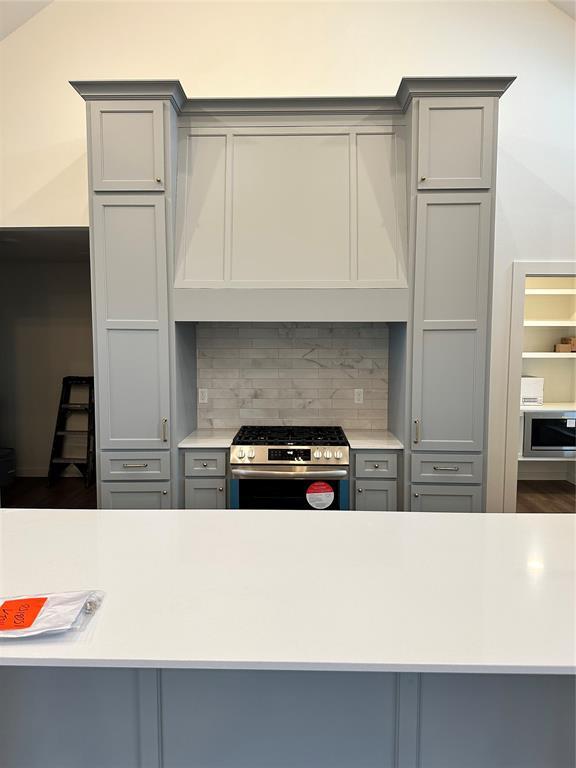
220 489
447 469
416 431
164 430
204 463
135 466
376 466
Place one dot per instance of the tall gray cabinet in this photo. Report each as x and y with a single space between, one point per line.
131 176
453 188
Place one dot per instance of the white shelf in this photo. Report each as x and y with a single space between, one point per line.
521 457
549 407
549 355
549 323
550 291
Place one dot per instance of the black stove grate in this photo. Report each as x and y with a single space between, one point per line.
290 436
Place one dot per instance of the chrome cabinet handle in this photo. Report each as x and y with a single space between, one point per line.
221 489
416 495
360 490
134 466
422 178
416 431
164 430
159 180
164 493
204 463
376 466
447 469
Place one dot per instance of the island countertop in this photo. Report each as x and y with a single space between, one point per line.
305 590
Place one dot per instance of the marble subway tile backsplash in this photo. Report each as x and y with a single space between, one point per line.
293 373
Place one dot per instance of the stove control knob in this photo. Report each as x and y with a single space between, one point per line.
338 455
327 454
251 453
317 454
240 453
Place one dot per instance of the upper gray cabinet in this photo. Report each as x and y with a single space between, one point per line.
450 316
455 143
127 146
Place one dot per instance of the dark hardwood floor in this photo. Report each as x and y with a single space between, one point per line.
546 496
34 493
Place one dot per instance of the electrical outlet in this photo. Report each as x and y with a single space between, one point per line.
202 395
358 396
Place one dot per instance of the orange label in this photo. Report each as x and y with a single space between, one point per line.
20 614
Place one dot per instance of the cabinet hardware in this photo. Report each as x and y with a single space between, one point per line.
220 489
159 180
164 493
204 463
422 178
416 495
164 430
135 466
376 466
447 469
360 490
416 430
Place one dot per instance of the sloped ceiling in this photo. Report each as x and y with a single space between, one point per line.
568 6
14 13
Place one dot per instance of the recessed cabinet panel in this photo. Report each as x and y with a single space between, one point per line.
135 368
455 143
135 465
448 391
375 495
439 498
205 493
130 256
127 146
291 209
379 194
144 495
453 257
204 222
446 468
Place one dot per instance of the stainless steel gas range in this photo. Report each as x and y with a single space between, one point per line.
290 468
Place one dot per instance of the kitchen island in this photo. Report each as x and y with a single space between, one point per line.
244 639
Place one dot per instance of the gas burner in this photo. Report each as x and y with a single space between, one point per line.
290 445
290 436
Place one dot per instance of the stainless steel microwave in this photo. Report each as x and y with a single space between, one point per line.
550 434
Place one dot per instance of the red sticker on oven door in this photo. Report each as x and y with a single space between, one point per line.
320 495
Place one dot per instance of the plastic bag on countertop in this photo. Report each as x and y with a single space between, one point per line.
29 615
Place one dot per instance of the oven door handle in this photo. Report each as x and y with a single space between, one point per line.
303 472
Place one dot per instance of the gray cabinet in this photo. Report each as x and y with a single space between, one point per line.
205 493
135 465
139 495
446 468
376 464
375 495
131 307
450 321
127 146
204 463
455 143
446 498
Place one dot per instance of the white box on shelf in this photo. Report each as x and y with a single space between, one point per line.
532 390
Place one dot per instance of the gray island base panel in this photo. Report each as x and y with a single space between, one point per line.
273 639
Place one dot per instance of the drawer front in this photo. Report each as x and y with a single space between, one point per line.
446 498
374 495
375 464
144 495
135 465
205 463
446 468
206 493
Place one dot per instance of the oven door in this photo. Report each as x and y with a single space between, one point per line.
550 435
300 487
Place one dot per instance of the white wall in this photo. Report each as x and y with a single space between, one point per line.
289 49
45 334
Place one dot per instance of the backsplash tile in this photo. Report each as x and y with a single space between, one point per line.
293 373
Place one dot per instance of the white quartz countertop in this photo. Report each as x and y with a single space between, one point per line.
300 590
359 439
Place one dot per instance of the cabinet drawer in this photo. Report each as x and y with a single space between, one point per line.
446 468
135 465
374 496
375 464
446 498
144 495
205 463
206 493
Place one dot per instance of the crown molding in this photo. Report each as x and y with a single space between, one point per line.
412 87
131 89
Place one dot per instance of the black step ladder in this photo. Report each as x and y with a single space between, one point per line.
75 420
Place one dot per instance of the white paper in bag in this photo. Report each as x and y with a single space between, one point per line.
27 615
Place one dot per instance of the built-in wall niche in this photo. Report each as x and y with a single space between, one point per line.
550 317
314 206
292 374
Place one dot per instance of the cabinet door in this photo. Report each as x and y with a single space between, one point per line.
143 495
446 498
127 142
131 307
450 319
200 493
455 143
375 495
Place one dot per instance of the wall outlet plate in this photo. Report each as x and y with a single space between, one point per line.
202 395
358 396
